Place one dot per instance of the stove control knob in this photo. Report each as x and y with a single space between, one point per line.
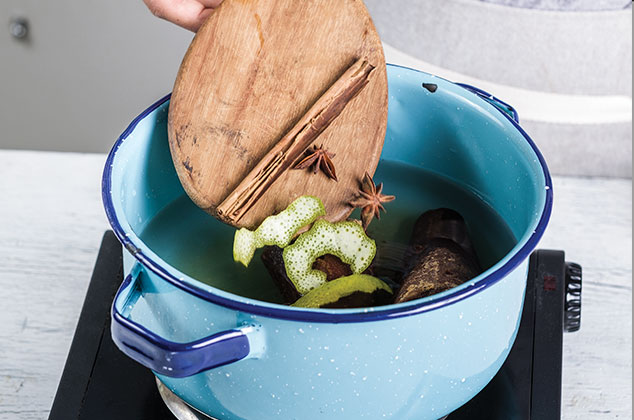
572 309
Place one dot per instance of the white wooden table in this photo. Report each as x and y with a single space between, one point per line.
51 223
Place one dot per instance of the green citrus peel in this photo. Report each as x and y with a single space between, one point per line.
346 240
345 286
277 230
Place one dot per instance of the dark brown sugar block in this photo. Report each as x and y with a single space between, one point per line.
274 263
441 256
441 266
251 75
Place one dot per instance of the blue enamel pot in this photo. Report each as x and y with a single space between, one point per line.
238 358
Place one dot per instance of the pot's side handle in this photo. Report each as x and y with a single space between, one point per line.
168 358
498 103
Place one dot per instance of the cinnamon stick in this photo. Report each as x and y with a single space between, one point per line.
327 108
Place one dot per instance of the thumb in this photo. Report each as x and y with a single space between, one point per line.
189 14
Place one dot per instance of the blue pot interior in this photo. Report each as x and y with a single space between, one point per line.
444 149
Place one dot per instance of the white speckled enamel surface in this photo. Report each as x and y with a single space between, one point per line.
418 367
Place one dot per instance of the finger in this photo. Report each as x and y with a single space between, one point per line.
211 3
190 14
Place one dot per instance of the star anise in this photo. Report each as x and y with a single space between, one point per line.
371 200
319 158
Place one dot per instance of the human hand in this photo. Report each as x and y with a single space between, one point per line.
190 14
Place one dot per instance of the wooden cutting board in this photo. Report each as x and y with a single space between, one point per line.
252 73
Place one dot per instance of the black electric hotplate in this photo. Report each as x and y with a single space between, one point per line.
100 382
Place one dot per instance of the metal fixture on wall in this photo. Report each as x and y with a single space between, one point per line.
19 28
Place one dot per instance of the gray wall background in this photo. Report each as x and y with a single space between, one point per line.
580 55
568 5
87 67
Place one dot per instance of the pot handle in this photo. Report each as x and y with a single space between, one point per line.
168 358
507 109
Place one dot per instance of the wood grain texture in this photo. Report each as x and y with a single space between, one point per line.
51 223
289 150
251 73
592 222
